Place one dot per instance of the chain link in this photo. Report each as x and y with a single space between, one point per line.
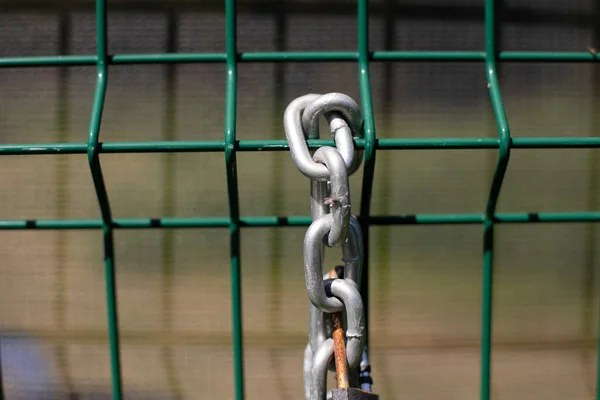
333 226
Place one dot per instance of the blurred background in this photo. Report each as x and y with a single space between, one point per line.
173 285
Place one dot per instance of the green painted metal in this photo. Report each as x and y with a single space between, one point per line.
298 221
233 196
282 145
489 58
490 209
437 56
369 154
300 56
102 195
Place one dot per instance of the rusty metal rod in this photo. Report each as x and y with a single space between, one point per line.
339 348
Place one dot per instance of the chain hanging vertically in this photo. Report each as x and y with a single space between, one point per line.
333 296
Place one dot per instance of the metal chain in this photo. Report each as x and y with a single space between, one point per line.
337 293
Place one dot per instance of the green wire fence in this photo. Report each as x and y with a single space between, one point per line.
230 146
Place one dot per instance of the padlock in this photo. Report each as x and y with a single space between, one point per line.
353 394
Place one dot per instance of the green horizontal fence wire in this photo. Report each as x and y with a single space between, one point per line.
230 146
282 145
308 56
299 221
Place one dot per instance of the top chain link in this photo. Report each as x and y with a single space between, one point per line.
301 122
328 169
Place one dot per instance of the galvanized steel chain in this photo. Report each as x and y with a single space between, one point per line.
335 300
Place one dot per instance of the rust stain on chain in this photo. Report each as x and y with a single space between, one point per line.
339 349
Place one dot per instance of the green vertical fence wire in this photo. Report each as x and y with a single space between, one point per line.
490 208
370 138
230 145
102 195
232 190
